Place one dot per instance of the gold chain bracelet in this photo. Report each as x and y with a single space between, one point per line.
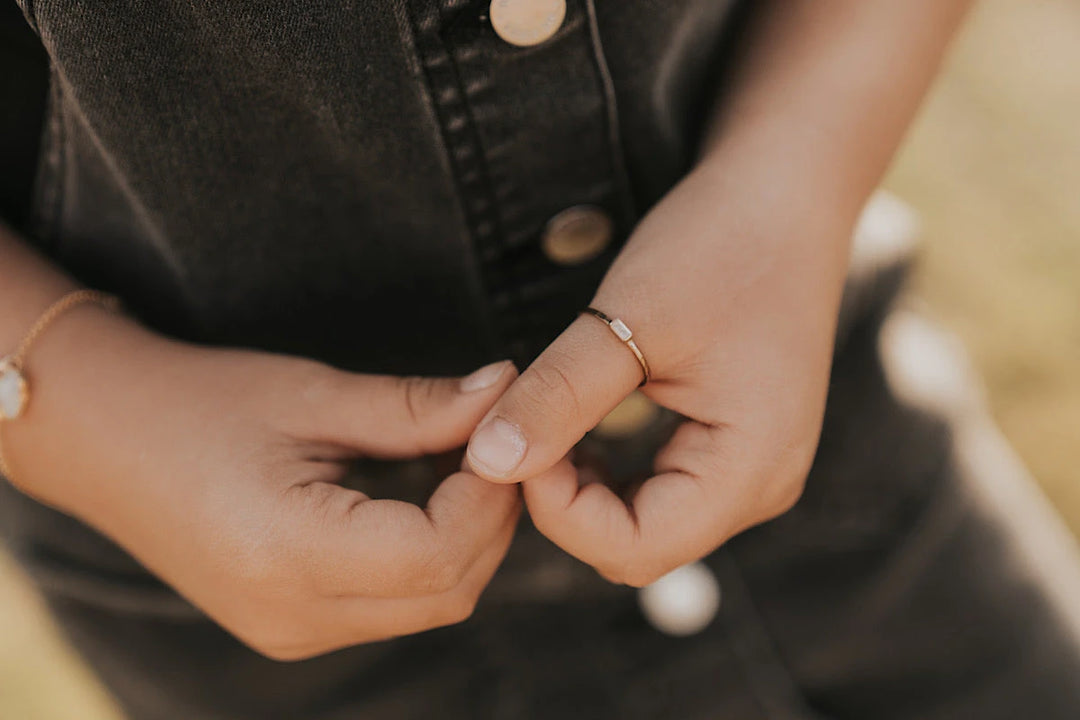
14 386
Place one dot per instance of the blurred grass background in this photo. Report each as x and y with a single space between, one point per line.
993 165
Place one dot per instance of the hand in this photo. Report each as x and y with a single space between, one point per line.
734 305
218 469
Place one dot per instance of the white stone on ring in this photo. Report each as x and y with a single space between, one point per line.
621 331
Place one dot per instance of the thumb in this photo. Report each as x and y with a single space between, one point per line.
397 417
574 383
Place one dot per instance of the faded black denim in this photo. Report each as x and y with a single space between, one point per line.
23 78
253 172
365 183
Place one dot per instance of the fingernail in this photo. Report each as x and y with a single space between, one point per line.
484 378
497 448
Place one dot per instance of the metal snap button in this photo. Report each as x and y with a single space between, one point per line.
577 235
527 22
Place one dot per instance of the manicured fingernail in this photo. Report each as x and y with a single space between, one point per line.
497 448
484 378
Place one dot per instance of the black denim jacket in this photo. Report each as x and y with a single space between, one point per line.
361 182
366 182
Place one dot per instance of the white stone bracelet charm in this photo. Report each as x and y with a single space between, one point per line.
13 390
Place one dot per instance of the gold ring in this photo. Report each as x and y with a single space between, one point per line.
624 334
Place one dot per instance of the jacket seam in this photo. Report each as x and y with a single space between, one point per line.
46 206
28 12
421 38
617 149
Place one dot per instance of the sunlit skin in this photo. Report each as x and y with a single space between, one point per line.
216 468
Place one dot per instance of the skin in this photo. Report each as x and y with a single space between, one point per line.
230 494
731 285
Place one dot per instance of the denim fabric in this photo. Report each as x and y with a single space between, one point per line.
23 81
251 172
888 592
366 183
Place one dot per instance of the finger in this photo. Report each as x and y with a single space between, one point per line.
330 624
574 383
631 544
388 416
351 545
369 620
706 490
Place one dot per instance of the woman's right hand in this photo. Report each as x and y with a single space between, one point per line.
218 470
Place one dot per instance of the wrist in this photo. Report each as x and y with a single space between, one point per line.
791 203
786 177
66 369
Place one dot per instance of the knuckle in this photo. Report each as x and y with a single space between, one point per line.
786 495
284 652
641 576
458 608
548 385
18 481
417 393
783 480
279 640
776 494
278 653
789 481
633 572
803 460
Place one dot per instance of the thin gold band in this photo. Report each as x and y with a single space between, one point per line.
11 367
624 334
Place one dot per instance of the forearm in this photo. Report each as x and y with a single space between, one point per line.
823 92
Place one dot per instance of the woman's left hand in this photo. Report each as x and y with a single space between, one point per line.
731 288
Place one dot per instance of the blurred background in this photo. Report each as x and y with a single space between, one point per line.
993 168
